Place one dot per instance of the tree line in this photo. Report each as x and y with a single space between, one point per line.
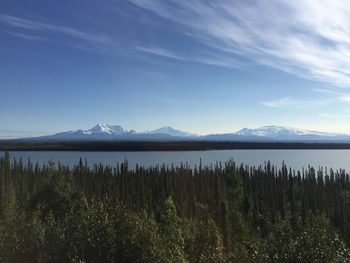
176 145
218 213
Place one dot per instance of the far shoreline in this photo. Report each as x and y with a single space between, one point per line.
130 146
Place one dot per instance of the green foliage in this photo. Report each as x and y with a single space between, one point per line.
234 184
171 233
280 243
320 242
9 207
219 214
316 240
98 232
208 244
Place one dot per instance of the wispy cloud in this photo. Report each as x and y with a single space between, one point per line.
340 96
343 115
288 102
310 39
157 51
166 101
333 97
74 37
205 59
328 115
11 134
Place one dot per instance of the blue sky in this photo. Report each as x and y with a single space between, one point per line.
200 66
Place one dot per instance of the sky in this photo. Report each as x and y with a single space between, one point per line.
199 66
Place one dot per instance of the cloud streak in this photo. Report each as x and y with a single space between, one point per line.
340 96
209 60
290 103
62 34
12 134
310 39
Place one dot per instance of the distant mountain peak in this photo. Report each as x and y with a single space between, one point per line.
132 132
104 128
280 131
170 131
167 129
104 131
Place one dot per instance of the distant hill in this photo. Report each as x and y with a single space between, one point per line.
277 133
171 131
106 132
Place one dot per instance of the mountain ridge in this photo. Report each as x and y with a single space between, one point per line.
104 131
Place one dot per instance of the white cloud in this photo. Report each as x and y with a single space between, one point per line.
310 39
340 96
210 60
11 134
166 101
157 51
63 34
288 102
328 115
345 98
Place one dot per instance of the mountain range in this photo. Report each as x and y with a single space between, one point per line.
106 132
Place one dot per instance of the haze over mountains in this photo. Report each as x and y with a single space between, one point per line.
106 132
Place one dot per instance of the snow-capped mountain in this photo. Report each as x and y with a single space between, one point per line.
278 133
170 131
104 128
102 131
105 131
267 133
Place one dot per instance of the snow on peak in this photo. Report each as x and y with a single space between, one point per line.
170 131
104 128
278 131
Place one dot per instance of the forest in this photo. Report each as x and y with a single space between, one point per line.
28 145
225 212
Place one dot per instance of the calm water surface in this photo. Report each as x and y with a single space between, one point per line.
297 159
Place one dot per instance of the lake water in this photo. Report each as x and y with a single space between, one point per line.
297 159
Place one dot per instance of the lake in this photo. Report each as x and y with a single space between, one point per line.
297 159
